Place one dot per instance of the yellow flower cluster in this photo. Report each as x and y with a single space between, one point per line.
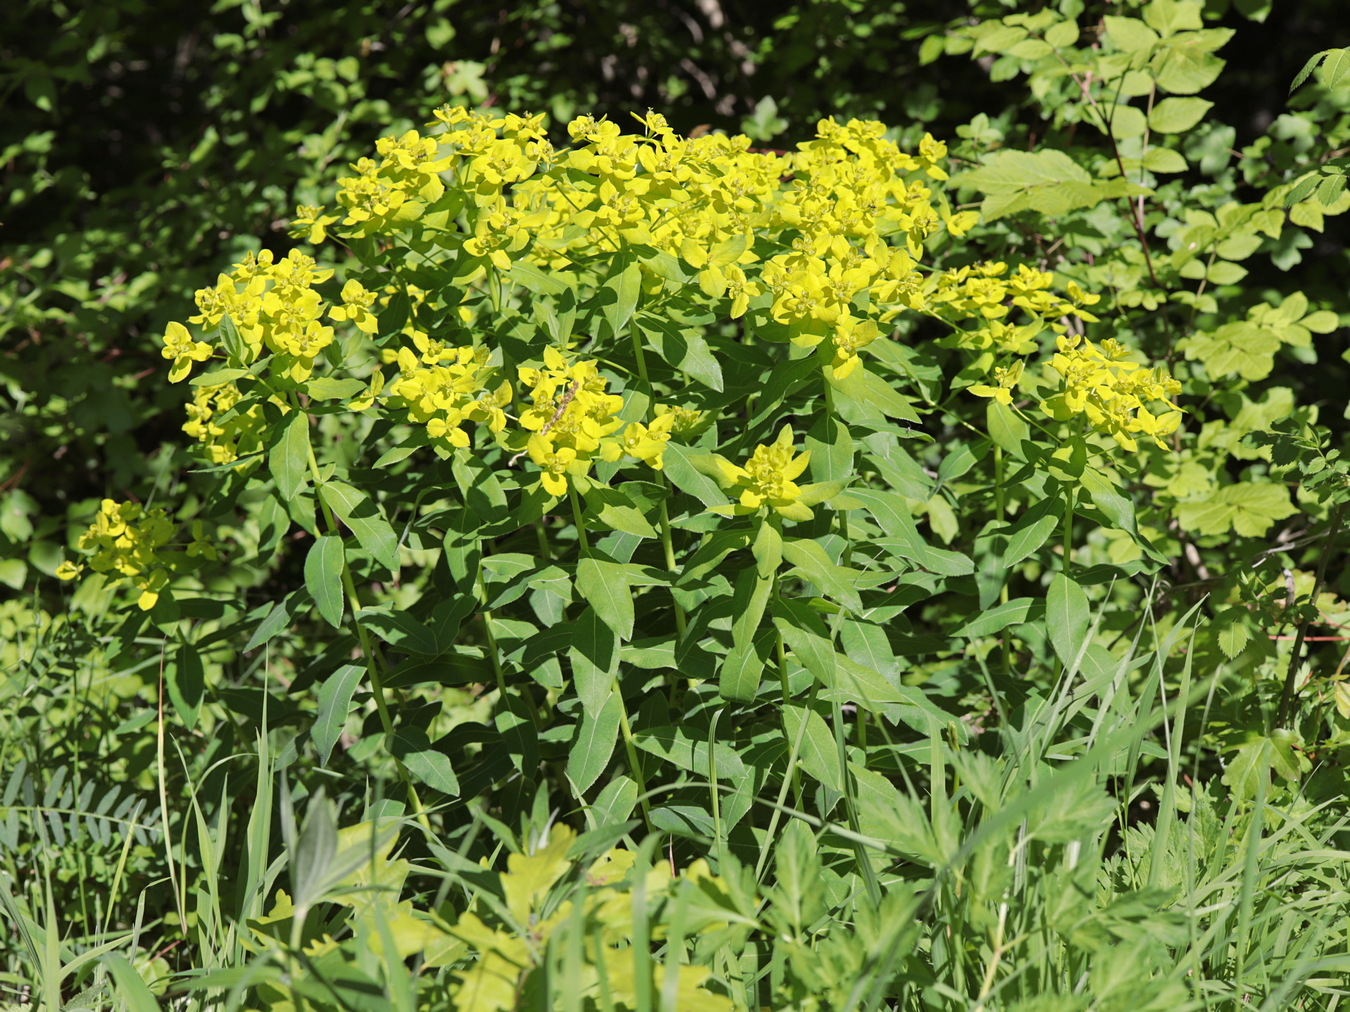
766 479
126 540
443 387
224 431
570 414
1111 392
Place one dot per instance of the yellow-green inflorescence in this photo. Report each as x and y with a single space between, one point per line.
825 243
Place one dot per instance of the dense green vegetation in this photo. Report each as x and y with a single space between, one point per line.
671 507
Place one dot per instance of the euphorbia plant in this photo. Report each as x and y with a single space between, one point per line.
608 430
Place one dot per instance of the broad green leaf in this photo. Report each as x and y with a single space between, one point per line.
423 760
1108 497
1063 34
1233 633
626 287
1049 182
335 704
615 803
288 458
810 562
818 755
604 586
1130 35
519 736
1015 612
372 531
831 447
891 513
1177 115
594 744
743 665
594 656
1164 160
1066 617
806 636
312 857
687 478
1260 755
333 388
1006 428
1031 530
1248 508
1185 63
690 752
185 682
683 348
323 577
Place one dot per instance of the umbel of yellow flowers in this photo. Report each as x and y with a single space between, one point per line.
767 480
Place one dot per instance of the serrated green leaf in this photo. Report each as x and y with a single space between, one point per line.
1248 508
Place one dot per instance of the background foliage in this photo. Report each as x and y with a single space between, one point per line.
148 150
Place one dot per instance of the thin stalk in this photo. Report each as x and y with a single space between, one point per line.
576 517
681 622
634 764
367 651
1000 511
1287 696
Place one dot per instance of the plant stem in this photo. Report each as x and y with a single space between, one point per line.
666 543
367 651
575 499
1287 695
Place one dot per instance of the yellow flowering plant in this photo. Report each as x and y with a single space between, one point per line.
635 423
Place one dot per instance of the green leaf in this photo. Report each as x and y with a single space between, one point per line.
743 665
130 988
323 577
680 469
1130 35
184 680
892 514
806 636
810 562
1108 497
1177 115
423 760
594 656
683 348
333 388
626 288
1260 755
604 586
831 447
690 753
1066 617
288 458
1248 508
1233 633
312 856
819 755
335 705
1049 182
1018 611
1164 160
1031 530
1006 428
594 744
355 509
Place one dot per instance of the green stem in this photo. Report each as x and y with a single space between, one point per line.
680 619
1000 511
641 358
576 517
367 650
1287 695
1070 494
634 764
